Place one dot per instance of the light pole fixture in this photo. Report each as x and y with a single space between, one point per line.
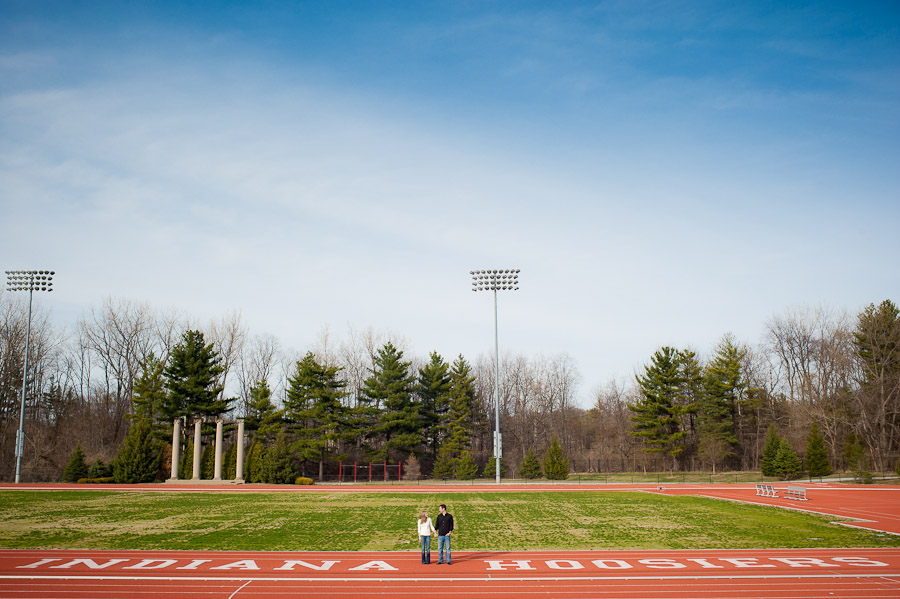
496 280
30 281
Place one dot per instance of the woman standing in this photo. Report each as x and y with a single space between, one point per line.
425 529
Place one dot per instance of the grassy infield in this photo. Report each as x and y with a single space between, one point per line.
324 521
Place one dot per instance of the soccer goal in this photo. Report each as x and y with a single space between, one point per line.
369 472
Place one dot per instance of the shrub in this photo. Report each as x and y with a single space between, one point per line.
302 480
103 480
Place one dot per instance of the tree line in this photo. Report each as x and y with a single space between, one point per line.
363 398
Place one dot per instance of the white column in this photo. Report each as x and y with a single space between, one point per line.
197 424
176 448
239 469
217 472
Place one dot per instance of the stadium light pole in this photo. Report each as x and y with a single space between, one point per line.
30 281
496 280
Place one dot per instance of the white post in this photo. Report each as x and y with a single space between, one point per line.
217 472
176 448
196 474
239 468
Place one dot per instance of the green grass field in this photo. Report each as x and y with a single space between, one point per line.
322 521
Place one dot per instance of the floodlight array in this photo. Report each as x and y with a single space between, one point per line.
495 280
29 280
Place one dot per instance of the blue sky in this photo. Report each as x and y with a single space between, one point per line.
662 173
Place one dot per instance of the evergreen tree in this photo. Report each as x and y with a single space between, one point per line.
253 466
466 469
556 466
817 464
531 466
186 464
262 417
208 462
389 390
277 466
433 388
99 469
77 467
462 407
191 380
657 416
787 464
138 460
770 452
444 465
723 389
314 406
490 468
229 462
855 456
149 396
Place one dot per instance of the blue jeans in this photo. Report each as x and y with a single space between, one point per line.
442 541
426 548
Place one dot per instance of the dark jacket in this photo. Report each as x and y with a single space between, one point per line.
444 524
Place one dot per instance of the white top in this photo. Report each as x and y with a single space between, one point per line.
425 528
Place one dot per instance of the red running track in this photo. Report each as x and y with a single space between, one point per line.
800 573
797 573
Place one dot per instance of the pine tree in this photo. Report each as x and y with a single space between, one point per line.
99 469
855 456
313 405
723 389
186 464
149 397
556 466
770 452
817 464
138 460
389 390
262 417
208 462
191 380
531 466
787 463
77 468
277 464
657 416
461 419
466 469
433 388
444 465
229 462
253 466
490 468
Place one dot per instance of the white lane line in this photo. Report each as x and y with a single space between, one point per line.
234 594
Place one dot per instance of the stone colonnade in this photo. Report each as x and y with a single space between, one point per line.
176 450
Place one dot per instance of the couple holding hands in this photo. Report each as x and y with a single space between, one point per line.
444 523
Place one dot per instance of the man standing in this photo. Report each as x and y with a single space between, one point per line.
444 523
